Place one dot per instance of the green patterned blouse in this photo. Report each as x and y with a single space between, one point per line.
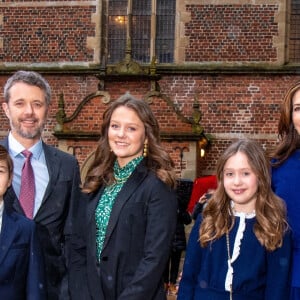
107 200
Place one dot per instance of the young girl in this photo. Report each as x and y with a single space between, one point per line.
21 269
240 248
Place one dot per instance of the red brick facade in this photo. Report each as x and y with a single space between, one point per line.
46 34
231 33
230 56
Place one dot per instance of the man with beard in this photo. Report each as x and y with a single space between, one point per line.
56 174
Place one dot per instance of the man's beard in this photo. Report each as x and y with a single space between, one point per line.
27 134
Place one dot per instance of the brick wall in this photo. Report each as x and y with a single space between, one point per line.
231 55
45 34
232 107
241 32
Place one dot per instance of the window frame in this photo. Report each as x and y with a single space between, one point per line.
127 43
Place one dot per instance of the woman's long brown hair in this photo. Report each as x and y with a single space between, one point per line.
218 217
289 139
158 160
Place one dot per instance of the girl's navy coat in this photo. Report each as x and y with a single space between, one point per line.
258 274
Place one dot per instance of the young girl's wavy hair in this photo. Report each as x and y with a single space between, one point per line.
218 217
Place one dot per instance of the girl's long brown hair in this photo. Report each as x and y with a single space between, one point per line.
289 139
218 217
158 160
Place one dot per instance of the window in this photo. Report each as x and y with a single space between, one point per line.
294 42
151 32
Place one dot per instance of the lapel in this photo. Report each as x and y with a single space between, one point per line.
8 233
11 200
53 165
91 223
133 182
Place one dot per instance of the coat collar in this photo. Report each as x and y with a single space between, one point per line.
54 166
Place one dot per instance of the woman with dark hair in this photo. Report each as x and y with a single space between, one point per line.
286 173
122 249
240 247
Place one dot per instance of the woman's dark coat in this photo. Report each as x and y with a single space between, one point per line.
136 247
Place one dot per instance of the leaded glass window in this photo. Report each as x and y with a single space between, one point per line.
151 30
294 42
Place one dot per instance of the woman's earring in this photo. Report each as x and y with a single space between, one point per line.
145 150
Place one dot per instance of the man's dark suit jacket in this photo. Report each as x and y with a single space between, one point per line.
21 265
136 247
53 225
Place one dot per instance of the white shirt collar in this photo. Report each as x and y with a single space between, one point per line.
15 148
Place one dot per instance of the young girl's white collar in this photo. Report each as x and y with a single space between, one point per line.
249 215
237 244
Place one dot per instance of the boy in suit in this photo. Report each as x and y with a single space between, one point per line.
21 269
